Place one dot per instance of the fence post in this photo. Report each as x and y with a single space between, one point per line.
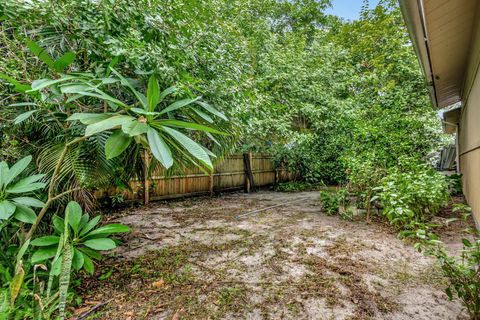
211 184
146 180
247 164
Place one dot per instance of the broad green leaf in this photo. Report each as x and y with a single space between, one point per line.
116 144
88 264
94 254
25 214
45 241
89 118
43 83
203 115
23 186
109 229
6 209
189 125
29 202
19 87
64 61
102 96
109 80
24 116
90 225
153 93
4 174
57 265
178 104
159 148
40 53
135 128
75 88
166 92
191 146
43 254
111 65
107 124
17 168
74 213
100 244
211 109
23 104
58 224
31 179
20 254
144 112
83 221
78 259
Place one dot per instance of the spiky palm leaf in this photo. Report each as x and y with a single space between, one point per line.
85 165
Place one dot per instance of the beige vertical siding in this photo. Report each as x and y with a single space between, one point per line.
470 164
469 131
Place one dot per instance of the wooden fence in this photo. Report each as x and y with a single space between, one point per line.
236 172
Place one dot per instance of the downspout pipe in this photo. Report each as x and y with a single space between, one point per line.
414 16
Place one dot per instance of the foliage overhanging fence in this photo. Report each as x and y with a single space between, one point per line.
231 173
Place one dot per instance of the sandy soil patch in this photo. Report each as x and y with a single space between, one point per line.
192 259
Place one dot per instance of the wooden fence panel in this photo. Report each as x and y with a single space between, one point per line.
263 170
229 174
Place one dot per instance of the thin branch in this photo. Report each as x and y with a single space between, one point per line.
51 187
58 196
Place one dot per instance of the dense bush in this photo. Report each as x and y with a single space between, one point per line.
412 191
310 161
329 202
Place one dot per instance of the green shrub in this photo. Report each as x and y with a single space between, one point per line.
455 184
463 275
411 192
312 159
330 203
364 175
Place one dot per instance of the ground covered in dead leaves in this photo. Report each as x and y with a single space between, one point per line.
193 259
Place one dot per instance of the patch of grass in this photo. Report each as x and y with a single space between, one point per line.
169 264
231 298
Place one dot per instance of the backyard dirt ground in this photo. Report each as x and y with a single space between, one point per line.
193 259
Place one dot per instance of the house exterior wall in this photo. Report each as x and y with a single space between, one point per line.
469 129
